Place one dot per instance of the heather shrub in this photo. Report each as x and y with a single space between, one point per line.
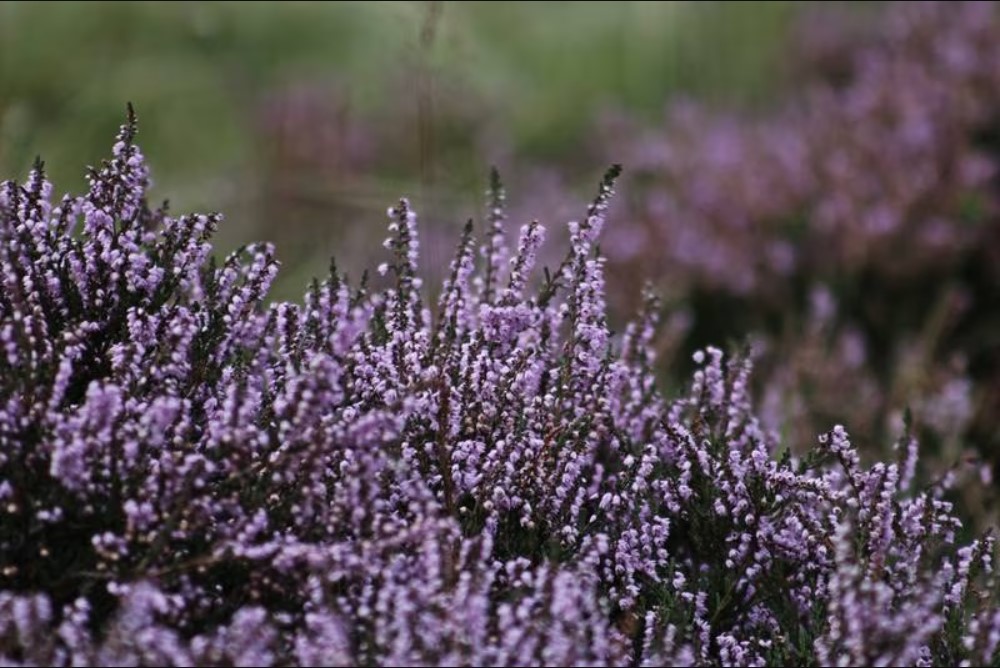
852 229
190 474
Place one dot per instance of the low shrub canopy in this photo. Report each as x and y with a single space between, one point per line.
190 474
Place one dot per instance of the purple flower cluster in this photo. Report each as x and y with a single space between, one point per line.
875 188
837 180
190 474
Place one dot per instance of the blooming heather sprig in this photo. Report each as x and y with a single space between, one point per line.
190 474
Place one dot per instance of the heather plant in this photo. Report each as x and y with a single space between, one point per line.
852 229
190 474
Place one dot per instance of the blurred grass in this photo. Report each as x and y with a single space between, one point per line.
431 79
192 70
557 62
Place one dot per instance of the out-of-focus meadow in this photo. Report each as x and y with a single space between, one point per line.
817 181
303 120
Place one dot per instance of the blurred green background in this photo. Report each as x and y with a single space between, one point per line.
302 121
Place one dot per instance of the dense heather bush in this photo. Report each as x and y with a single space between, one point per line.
191 475
855 226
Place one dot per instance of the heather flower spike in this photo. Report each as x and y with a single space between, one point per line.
193 474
